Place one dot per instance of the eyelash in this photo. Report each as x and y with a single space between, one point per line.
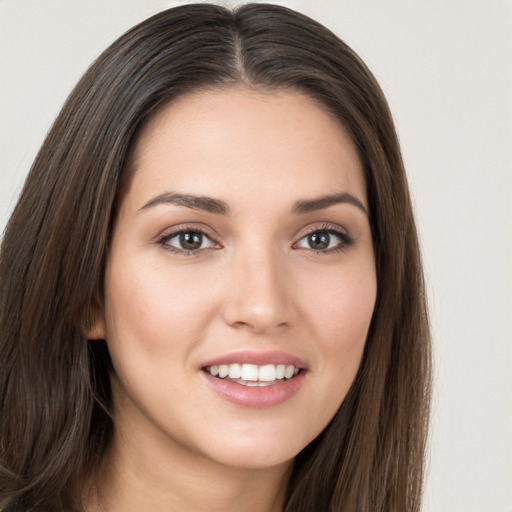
345 240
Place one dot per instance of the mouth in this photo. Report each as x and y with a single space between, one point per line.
253 375
255 379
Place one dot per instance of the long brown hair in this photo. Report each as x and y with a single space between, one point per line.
54 384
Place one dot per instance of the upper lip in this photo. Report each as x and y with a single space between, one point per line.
259 358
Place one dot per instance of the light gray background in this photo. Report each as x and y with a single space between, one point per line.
446 67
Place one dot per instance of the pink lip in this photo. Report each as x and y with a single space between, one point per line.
257 358
255 396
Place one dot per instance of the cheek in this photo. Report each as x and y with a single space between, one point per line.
149 302
339 309
337 312
342 305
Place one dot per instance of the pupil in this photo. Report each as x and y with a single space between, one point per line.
319 240
190 240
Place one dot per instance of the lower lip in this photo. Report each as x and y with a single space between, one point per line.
257 397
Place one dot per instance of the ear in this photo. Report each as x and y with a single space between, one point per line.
96 331
94 328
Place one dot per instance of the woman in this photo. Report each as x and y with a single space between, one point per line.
211 287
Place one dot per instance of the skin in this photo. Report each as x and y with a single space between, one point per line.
255 284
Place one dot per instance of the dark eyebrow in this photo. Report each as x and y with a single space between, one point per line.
207 204
319 203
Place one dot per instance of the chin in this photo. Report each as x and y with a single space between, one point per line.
258 449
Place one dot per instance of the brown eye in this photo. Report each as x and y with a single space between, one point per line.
319 240
191 241
325 240
187 241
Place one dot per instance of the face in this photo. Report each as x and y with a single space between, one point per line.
241 279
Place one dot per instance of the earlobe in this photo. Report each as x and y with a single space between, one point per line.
94 328
96 331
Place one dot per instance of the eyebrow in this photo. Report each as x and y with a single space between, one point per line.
219 207
207 204
320 203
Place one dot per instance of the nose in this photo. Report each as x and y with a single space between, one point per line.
259 293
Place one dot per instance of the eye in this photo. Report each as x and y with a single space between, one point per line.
187 241
325 240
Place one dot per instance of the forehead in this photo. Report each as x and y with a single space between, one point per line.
243 141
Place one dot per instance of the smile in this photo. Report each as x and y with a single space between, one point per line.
253 375
255 379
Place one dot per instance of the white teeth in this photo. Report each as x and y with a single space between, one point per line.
288 373
235 371
280 369
267 373
249 372
252 374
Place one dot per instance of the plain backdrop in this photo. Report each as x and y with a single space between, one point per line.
446 68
